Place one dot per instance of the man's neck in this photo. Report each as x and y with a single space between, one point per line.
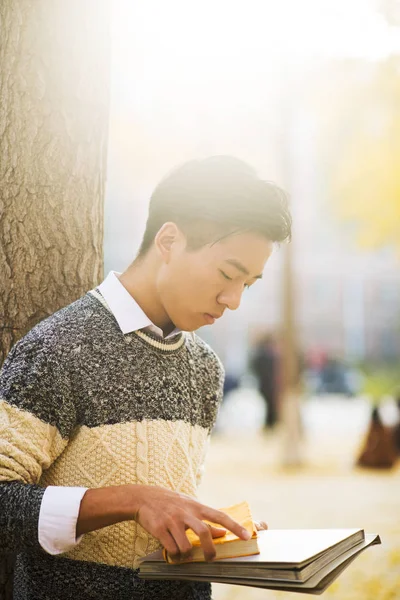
139 280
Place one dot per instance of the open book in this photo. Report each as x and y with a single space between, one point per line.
299 560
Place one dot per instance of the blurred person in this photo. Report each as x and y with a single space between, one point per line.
315 361
109 402
265 364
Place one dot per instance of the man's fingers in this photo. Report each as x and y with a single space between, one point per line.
216 532
168 541
217 516
181 539
260 525
204 534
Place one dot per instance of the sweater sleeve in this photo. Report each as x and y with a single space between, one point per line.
37 414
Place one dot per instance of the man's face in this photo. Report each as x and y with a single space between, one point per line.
196 287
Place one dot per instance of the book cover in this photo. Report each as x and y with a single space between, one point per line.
284 554
315 584
227 546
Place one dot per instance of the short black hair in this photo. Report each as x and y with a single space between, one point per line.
211 198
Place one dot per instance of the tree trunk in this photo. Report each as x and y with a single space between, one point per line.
291 418
54 79
290 409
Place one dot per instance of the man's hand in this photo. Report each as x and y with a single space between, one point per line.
163 513
166 515
260 525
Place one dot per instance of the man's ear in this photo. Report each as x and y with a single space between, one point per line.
166 239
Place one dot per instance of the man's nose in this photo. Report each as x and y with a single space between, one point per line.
231 299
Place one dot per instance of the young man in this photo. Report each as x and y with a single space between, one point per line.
107 405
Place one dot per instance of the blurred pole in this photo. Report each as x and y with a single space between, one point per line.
291 418
290 411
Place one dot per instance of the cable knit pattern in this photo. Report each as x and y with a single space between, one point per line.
81 404
27 445
142 476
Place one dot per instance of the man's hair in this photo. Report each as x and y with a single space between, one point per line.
212 198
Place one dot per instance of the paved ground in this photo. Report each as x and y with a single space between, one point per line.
327 491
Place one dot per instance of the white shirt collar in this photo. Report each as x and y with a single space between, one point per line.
126 310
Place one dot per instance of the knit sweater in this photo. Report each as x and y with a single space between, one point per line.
81 404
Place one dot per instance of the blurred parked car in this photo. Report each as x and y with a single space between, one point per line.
333 377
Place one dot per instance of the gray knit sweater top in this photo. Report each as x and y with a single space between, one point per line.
82 404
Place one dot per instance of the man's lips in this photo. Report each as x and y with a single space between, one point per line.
211 318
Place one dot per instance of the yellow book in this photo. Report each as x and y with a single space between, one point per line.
229 545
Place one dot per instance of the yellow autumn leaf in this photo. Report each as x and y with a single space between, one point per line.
362 126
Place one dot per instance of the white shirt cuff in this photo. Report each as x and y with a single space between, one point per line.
57 518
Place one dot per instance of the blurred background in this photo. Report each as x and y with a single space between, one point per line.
309 94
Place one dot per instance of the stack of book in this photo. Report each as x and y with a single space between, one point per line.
298 560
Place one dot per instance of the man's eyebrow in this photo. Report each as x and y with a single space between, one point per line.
240 267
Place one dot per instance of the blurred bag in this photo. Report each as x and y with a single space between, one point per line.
379 450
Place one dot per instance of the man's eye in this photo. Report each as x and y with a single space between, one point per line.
225 275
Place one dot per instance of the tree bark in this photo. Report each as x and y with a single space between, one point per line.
54 81
54 60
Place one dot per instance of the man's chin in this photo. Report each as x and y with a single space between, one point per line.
190 328
189 325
